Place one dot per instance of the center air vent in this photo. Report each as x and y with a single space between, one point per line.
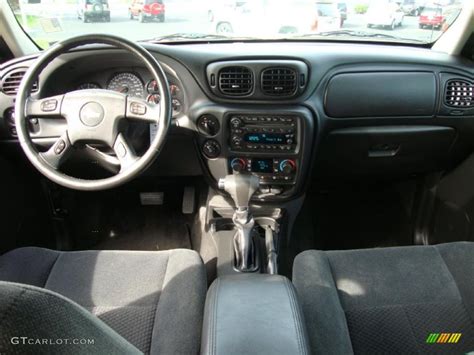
279 81
11 82
459 93
235 81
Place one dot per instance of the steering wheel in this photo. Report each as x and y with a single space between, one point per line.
92 116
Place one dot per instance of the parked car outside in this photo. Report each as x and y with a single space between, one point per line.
221 8
435 16
329 16
147 10
385 14
412 7
93 10
265 17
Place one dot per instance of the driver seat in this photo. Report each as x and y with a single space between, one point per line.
153 301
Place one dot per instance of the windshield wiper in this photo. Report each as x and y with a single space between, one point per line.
357 34
193 37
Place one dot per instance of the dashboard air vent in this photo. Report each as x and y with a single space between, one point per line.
235 81
459 93
279 81
11 82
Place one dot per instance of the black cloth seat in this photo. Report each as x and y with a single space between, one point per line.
154 300
389 300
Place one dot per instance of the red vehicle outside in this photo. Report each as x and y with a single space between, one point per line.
146 10
432 17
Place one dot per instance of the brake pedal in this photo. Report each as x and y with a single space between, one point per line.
188 200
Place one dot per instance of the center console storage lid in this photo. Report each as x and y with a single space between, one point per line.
253 314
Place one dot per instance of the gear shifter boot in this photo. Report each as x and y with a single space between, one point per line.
241 188
245 250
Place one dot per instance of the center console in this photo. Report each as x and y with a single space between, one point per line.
253 314
274 145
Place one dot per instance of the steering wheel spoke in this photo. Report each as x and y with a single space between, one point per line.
58 153
141 110
45 107
124 152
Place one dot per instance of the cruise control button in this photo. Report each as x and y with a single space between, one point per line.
60 146
137 108
49 105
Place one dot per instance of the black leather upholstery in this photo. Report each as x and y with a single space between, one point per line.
253 314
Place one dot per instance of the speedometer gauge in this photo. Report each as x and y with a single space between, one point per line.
127 83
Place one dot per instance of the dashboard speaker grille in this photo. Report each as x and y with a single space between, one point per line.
235 81
459 93
279 81
11 82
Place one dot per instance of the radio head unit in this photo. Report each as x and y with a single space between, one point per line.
263 133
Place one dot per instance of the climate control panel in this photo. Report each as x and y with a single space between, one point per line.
269 170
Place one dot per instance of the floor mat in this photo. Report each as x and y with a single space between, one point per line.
147 228
117 220
367 216
353 216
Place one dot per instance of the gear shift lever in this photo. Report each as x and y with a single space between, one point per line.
241 188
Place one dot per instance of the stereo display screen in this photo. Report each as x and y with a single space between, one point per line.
265 138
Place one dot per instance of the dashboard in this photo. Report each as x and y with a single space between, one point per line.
286 112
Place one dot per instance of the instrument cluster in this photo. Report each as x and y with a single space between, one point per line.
136 84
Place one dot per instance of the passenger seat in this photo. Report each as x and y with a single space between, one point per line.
402 300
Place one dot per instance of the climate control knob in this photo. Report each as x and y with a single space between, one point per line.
287 166
238 164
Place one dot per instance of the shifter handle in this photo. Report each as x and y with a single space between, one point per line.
240 187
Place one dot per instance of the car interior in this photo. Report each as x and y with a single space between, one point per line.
236 196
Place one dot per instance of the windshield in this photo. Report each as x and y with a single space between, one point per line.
405 21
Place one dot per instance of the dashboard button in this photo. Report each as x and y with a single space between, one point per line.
137 108
236 122
60 146
209 125
211 149
49 105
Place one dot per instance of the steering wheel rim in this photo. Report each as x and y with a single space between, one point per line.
91 119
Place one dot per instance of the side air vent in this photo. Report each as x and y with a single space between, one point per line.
459 93
235 81
11 82
279 81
